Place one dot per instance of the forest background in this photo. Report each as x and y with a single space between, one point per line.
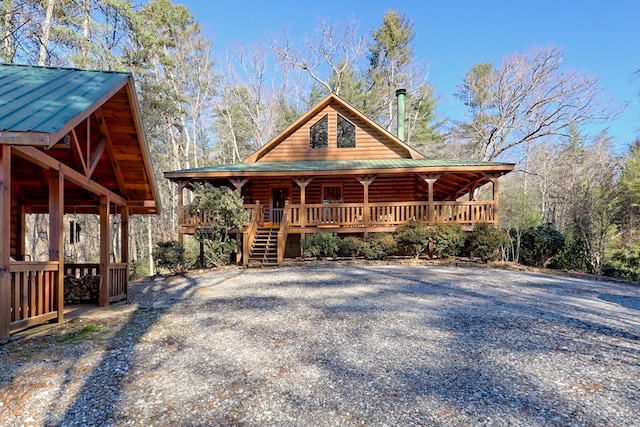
202 107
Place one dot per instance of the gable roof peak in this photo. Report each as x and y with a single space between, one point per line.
319 106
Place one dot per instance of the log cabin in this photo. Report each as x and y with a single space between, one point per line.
71 141
336 170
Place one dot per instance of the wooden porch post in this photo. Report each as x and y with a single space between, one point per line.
239 183
56 235
302 183
5 241
496 199
366 181
104 251
430 180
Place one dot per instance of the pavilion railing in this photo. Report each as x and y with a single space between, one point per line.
118 281
34 291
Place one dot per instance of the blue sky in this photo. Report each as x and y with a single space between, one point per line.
599 37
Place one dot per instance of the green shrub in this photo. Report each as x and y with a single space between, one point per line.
321 244
485 241
350 247
413 236
216 253
379 245
540 244
624 264
572 256
136 269
447 239
170 255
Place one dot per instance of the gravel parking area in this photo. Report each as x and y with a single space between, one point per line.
338 344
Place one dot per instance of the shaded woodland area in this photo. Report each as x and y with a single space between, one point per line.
202 106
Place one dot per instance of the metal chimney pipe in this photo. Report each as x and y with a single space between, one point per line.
400 95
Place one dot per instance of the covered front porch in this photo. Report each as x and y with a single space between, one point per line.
352 203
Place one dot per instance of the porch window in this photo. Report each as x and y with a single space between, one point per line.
331 194
346 133
318 134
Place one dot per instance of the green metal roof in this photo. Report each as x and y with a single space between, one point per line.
322 165
43 99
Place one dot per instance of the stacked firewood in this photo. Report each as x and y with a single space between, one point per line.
84 289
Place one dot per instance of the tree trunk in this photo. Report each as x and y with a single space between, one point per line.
46 31
9 43
85 31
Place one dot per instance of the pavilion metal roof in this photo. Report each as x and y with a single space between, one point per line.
44 99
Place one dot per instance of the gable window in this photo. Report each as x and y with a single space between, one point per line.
346 133
319 134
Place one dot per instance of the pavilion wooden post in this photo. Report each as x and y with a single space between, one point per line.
302 183
181 186
430 180
366 181
56 235
104 251
5 241
496 198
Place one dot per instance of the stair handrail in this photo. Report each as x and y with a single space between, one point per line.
250 233
283 231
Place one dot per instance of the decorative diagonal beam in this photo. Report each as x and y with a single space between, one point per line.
238 183
77 151
104 130
36 156
95 158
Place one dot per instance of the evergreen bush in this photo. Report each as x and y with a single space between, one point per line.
540 244
413 236
170 255
447 239
350 247
379 245
485 241
321 244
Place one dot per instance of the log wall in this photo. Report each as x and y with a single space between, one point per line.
383 189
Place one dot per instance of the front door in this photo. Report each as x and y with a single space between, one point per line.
278 196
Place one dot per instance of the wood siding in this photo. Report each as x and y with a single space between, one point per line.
370 143
383 189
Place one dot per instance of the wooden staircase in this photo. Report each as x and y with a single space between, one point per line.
264 251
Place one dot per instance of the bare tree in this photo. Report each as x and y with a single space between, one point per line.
528 97
335 52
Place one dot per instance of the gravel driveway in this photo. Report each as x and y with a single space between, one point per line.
338 344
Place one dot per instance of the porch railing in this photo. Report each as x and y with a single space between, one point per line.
390 214
372 215
79 270
249 233
34 293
